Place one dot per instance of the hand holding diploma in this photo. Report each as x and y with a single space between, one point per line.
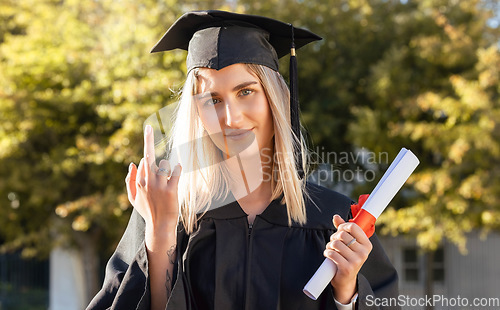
393 179
348 249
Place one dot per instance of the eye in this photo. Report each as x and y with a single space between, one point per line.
211 101
246 92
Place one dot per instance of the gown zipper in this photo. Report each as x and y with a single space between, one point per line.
248 267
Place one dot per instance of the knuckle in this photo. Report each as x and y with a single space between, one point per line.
329 253
336 243
367 252
369 247
344 235
358 260
141 183
349 226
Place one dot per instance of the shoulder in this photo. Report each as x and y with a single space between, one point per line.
322 204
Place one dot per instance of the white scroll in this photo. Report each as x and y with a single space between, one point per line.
393 179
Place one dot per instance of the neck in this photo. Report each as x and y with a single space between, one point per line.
251 181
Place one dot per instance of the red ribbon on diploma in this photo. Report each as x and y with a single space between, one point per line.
362 217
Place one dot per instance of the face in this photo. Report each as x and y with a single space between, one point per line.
234 110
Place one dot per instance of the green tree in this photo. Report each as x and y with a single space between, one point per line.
438 94
77 83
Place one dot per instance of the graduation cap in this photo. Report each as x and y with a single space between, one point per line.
217 39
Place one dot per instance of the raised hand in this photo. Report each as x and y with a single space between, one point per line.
152 190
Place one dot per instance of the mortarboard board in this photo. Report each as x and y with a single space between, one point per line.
217 39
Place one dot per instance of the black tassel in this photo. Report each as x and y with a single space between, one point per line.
294 106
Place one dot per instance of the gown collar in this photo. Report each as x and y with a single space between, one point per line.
275 212
321 205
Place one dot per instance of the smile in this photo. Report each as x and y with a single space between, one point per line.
237 134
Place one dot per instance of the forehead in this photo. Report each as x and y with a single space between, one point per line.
226 78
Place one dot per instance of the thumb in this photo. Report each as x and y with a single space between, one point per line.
337 220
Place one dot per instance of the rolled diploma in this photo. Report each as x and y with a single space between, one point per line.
393 179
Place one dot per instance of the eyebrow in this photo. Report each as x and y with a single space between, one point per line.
236 88
243 85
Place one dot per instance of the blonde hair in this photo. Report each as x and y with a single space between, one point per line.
204 180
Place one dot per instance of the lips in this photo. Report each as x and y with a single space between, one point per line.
237 133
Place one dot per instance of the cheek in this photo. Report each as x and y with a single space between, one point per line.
209 119
210 122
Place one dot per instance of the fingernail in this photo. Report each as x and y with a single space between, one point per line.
148 129
130 167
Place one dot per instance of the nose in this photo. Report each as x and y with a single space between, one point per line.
233 114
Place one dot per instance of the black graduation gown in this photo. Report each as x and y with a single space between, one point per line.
226 265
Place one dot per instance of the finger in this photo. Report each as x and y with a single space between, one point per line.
164 168
130 182
345 237
149 169
354 230
132 172
149 148
335 256
337 220
339 246
344 266
140 176
164 164
174 179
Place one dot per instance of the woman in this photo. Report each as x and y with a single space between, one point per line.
238 228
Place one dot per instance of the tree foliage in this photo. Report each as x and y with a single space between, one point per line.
77 82
438 94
